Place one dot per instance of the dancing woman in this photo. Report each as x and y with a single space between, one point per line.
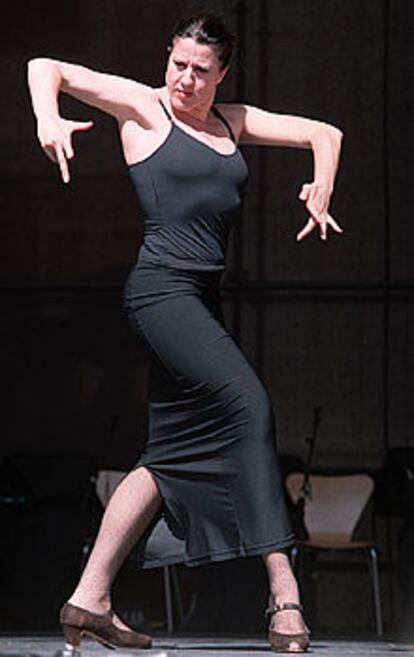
210 466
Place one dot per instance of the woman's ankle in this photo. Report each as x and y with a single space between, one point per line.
98 602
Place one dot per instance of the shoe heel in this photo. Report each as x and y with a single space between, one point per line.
72 635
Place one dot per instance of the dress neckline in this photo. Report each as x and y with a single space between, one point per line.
173 128
203 143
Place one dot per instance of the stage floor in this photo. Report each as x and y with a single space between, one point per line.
43 646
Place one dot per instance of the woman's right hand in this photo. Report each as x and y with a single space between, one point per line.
117 96
55 136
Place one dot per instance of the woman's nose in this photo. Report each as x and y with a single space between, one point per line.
188 76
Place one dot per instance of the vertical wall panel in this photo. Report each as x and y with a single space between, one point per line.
326 65
71 367
82 233
327 354
401 368
400 103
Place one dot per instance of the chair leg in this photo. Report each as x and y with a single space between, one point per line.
376 590
177 593
168 599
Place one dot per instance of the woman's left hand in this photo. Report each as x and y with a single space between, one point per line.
316 198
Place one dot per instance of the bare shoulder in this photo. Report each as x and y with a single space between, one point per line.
139 138
144 109
141 105
234 113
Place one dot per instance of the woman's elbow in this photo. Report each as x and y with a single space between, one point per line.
35 61
335 133
40 63
328 133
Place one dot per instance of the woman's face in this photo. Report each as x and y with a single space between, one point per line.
193 73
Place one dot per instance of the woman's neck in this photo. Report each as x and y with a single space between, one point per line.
199 115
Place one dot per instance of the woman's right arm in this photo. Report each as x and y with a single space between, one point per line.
115 95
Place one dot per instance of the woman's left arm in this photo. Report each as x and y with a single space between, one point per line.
267 128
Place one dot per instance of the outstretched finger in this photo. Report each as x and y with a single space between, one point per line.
76 125
83 125
63 165
306 230
68 149
333 224
323 229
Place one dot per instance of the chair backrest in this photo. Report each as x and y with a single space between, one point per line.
106 482
336 503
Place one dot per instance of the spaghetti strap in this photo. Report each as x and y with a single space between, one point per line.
166 112
213 109
226 123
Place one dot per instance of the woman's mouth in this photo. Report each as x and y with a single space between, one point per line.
184 94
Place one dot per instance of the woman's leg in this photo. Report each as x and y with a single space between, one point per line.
129 512
284 588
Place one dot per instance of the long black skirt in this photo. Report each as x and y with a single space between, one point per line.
211 443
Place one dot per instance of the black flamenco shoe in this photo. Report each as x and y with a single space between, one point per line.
77 622
287 643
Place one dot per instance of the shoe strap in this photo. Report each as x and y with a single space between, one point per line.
287 606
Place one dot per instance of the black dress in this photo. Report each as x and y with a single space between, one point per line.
211 437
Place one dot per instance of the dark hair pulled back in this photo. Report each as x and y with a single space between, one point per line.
207 29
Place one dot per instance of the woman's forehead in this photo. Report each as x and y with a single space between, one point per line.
201 53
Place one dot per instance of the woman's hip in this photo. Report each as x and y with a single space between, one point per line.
150 285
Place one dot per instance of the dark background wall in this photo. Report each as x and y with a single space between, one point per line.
325 324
